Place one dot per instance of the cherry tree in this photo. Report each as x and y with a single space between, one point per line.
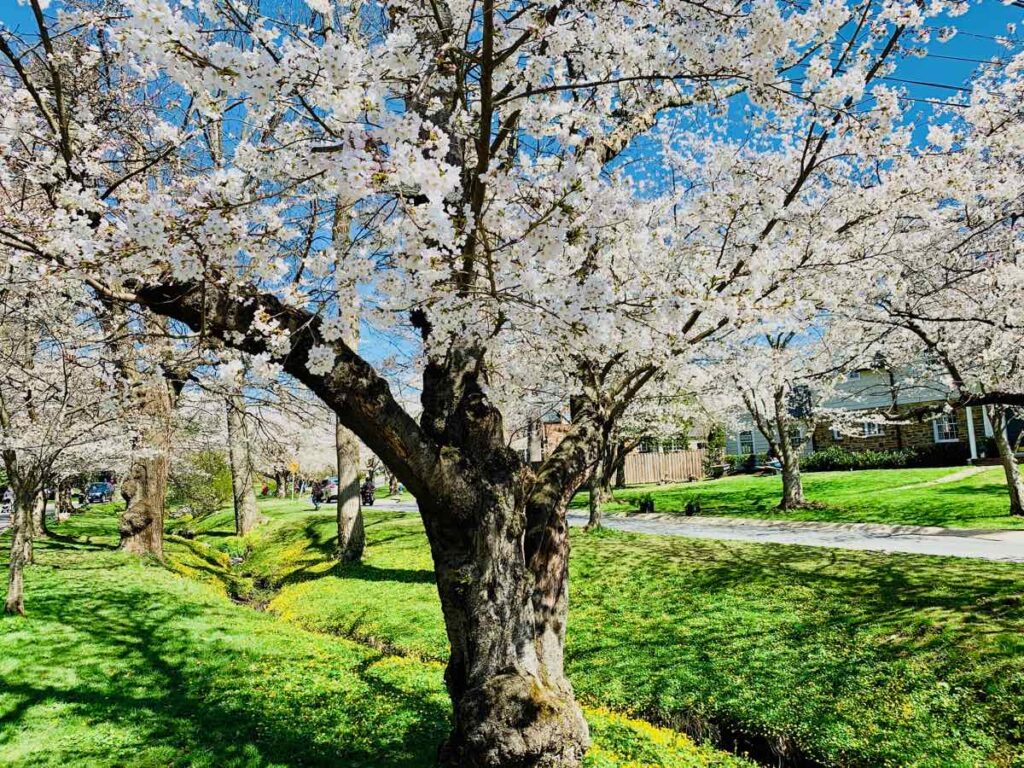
479 152
936 273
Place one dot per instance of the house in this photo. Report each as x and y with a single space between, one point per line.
959 435
745 438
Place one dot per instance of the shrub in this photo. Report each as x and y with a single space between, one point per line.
201 482
837 458
744 463
714 451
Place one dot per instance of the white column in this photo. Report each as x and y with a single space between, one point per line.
988 424
970 433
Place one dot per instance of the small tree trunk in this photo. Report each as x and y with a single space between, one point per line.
279 484
620 472
38 507
26 501
145 489
999 417
351 535
789 456
64 506
243 490
513 705
392 484
596 497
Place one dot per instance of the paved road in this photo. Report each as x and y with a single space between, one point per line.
948 542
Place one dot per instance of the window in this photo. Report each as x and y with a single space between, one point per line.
853 376
837 434
945 428
648 445
796 438
746 441
872 429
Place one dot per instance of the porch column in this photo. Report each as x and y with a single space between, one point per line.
970 434
989 432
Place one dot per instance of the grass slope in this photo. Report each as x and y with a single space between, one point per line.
120 663
859 659
894 496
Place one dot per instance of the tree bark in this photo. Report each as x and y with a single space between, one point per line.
351 534
26 503
38 512
999 417
505 616
141 523
243 490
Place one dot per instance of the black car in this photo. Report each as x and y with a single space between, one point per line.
99 493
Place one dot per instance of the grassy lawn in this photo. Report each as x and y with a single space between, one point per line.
895 496
122 663
858 659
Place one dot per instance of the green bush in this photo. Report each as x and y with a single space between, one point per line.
202 482
837 458
744 463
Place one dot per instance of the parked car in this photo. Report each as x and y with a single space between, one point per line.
99 493
330 490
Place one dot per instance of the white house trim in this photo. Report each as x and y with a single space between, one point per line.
970 433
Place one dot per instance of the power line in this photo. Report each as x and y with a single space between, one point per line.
928 84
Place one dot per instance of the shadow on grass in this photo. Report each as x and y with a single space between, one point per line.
175 676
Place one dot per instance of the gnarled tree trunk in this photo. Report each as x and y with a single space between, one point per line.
999 417
141 524
351 534
243 490
505 613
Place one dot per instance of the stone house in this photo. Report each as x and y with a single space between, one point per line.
960 435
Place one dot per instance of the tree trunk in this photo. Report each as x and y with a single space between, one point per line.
38 507
789 456
999 417
64 505
619 464
351 536
505 619
26 502
145 489
243 490
597 496
392 484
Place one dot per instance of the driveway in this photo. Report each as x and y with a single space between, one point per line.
871 537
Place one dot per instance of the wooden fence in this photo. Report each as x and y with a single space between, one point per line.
673 467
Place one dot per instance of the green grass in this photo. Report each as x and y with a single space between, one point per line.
859 659
122 663
869 496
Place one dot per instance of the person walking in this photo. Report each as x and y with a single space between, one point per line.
317 494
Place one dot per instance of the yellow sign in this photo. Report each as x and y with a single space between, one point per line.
293 467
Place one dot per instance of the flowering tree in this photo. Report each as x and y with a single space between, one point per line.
478 152
938 268
60 413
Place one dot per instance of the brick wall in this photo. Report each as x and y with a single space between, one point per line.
912 435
